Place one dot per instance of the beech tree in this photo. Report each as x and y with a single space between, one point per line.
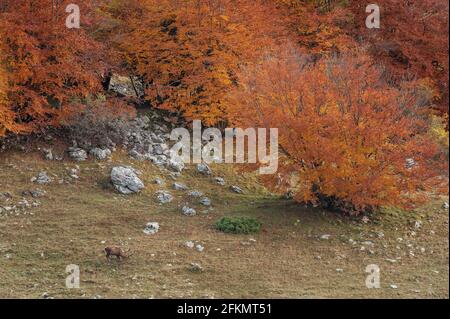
354 141
45 63
188 52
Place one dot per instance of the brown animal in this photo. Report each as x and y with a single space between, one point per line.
116 251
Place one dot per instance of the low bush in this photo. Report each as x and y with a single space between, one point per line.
238 225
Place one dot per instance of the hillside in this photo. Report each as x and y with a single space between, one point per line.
77 219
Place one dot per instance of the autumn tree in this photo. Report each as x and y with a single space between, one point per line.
352 140
6 114
412 40
188 52
46 64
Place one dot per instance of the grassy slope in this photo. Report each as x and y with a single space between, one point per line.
74 219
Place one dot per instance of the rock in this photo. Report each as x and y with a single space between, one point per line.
195 267
195 193
220 181
159 149
158 181
393 286
151 228
367 243
380 234
126 86
417 224
45 295
189 244
77 154
392 261
445 205
100 154
6 196
325 237
199 248
339 270
34 193
164 197
42 178
125 180
187 211
179 187
204 169
48 154
205 201
137 155
175 163
365 219
158 160
236 189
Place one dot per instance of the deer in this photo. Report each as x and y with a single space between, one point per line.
118 252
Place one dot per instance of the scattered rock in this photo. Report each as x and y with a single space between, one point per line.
77 154
164 197
45 295
367 243
48 154
188 211
325 237
199 248
205 201
34 193
179 187
175 164
393 286
417 224
220 181
42 178
236 189
365 219
204 169
392 261
128 86
125 180
189 244
195 193
100 154
339 270
5 196
151 228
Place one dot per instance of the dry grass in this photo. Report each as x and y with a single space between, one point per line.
74 219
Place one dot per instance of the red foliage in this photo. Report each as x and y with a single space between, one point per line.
343 131
46 64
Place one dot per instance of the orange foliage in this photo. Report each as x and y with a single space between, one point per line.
412 40
188 52
6 114
342 129
47 64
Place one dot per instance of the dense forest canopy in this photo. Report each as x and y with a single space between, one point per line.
369 97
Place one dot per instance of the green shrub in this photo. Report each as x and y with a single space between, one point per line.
238 225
